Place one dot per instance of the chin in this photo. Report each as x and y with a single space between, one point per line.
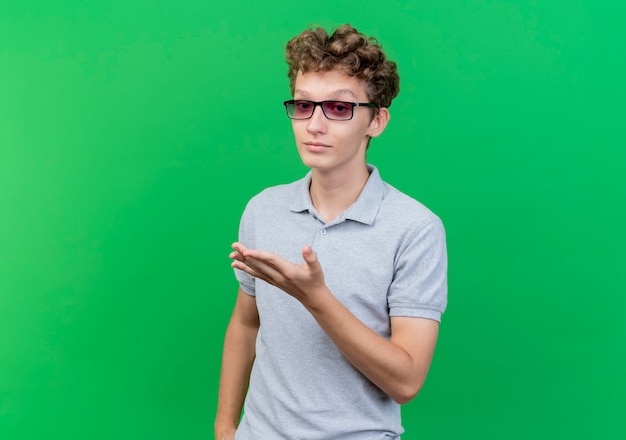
310 160
315 162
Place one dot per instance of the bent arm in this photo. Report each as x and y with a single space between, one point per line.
237 359
398 366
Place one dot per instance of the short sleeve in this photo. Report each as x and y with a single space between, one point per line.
246 236
420 283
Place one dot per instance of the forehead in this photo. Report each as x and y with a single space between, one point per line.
333 84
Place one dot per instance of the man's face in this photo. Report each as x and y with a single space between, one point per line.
330 145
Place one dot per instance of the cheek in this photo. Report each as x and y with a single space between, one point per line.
298 130
359 131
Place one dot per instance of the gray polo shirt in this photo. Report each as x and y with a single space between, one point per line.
384 256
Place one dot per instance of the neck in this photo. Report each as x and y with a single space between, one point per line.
333 193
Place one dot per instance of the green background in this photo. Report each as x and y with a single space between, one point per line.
133 132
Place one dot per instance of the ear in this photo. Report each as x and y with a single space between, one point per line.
379 122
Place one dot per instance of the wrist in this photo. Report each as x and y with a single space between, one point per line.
224 427
224 431
318 299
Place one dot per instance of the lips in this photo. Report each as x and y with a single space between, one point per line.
316 147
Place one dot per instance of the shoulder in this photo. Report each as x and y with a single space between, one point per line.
405 211
274 197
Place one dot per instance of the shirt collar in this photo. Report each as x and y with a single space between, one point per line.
365 208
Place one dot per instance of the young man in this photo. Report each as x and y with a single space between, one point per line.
342 277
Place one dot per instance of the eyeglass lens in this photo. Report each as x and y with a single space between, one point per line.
302 109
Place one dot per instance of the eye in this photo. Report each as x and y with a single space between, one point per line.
302 105
338 109
338 106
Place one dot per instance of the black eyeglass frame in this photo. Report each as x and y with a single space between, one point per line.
321 104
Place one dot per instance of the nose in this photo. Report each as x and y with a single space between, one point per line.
317 122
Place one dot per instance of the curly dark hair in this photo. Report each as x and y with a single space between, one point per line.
357 55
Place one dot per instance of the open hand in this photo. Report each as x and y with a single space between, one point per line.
302 281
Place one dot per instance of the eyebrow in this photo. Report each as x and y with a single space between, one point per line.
334 94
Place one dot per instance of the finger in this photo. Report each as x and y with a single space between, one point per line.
247 269
241 265
251 270
245 255
235 255
310 257
267 257
238 247
257 263
265 267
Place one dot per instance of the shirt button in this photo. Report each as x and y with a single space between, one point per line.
323 231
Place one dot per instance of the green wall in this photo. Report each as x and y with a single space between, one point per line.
133 132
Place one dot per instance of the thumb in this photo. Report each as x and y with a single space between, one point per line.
310 257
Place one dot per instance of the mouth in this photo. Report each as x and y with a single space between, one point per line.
316 146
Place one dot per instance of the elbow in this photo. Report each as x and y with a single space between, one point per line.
405 393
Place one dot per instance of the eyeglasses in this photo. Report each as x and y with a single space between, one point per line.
335 110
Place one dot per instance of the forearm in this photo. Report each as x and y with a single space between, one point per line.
397 366
237 359
384 362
